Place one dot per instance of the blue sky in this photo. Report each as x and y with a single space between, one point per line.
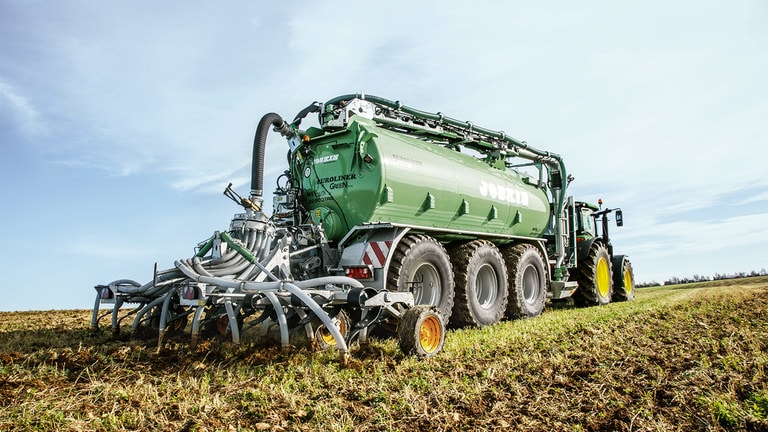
122 122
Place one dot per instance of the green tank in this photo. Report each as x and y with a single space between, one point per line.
363 173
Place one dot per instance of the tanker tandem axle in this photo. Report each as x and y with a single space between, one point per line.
386 215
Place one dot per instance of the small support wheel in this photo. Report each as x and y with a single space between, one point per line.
421 332
324 338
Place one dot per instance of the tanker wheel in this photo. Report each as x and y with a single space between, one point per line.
595 278
527 281
420 265
421 331
623 279
480 281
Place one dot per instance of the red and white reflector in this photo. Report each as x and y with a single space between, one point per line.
376 253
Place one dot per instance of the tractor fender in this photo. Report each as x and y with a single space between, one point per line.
616 262
583 247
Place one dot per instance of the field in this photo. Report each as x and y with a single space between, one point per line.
690 357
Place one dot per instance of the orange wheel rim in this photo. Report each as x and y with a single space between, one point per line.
430 334
222 324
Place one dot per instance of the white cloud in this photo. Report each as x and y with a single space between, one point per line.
760 197
698 237
23 114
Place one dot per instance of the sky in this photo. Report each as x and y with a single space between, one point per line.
121 123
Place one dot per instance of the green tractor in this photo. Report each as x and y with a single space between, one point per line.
602 276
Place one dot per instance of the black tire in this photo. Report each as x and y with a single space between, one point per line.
527 281
215 323
595 278
149 326
420 265
421 331
480 283
178 320
623 279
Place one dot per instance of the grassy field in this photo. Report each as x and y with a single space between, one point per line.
692 357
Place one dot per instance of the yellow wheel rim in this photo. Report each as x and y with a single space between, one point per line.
326 334
603 278
430 334
627 281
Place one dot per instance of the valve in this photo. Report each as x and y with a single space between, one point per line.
248 204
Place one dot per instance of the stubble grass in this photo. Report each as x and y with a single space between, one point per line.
691 357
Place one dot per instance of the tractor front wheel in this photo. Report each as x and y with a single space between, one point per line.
623 279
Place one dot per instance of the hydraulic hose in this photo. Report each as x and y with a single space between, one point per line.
259 144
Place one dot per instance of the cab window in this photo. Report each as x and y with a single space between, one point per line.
587 222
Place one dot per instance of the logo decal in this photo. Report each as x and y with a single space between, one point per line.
326 159
504 193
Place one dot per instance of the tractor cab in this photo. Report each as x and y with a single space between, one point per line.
585 228
586 221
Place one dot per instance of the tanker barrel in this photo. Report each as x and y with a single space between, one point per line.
558 174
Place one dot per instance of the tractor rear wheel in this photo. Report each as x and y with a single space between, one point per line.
527 281
480 281
421 266
421 331
623 279
595 278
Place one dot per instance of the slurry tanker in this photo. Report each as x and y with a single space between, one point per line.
386 218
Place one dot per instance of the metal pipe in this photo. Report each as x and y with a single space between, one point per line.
233 326
329 280
341 344
282 321
144 310
95 316
163 319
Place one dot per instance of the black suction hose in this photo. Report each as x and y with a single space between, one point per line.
259 143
